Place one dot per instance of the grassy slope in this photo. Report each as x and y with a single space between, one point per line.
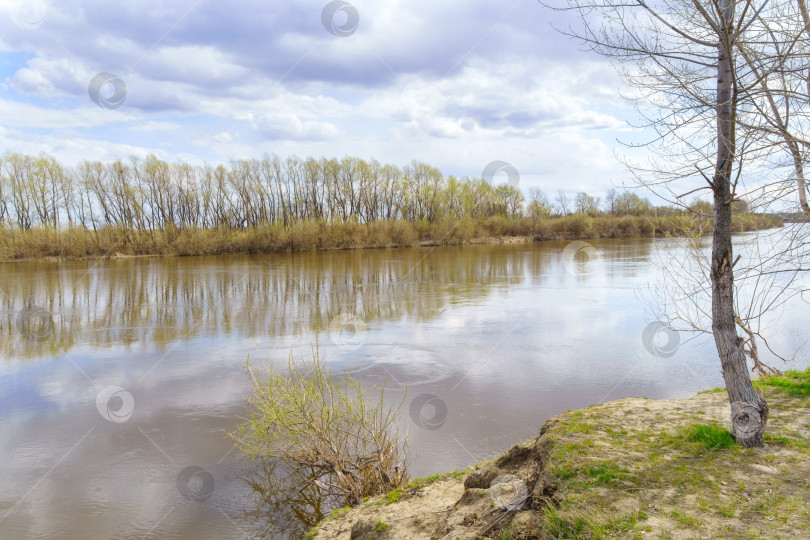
678 473
632 468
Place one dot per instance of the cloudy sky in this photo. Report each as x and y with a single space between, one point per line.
456 84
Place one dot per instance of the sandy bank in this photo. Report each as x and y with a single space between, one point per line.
632 468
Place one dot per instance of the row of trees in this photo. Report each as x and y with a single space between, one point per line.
614 203
150 194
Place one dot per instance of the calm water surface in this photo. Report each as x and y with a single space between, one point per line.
489 340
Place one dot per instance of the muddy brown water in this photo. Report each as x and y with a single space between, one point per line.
120 379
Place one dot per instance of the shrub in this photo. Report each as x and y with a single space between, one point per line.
190 242
465 230
443 231
402 233
521 227
451 231
575 226
495 226
346 442
379 234
304 236
308 235
625 226
422 228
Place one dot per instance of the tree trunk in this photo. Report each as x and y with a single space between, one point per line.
797 158
749 412
806 20
800 182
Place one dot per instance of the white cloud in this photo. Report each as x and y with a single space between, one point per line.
450 84
24 115
289 126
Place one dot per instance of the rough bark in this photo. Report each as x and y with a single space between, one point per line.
806 20
797 158
800 181
749 412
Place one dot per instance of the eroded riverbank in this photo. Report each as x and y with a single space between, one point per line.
630 468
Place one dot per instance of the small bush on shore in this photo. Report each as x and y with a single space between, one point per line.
331 431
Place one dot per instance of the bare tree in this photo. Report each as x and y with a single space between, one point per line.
683 56
562 203
610 200
586 204
3 195
781 95
539 206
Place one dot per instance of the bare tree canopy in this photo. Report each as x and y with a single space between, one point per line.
721 86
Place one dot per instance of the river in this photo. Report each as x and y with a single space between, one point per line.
120 379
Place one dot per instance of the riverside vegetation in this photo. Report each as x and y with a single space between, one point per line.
328 432
151 207
632 468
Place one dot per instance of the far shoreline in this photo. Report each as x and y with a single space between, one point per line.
47 245
487 241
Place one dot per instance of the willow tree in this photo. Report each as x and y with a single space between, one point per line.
699 97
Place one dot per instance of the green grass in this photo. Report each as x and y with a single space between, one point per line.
710 436
506 533
727 510
334 514
684 518
338 512
561 524
778 439
581 427
393 496
712 391
795 383
403 491
380 526
610 475
687 471
417 483
607 473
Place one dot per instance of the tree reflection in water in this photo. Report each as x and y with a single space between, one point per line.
153 303
284 503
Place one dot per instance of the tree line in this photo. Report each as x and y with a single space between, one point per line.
151 194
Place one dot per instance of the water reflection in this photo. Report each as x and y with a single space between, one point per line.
152 302
283 505
495 338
